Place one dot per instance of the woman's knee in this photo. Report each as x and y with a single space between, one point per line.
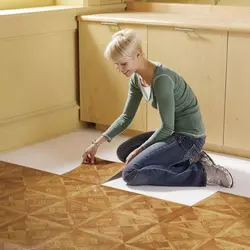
131 144
128 175
120 152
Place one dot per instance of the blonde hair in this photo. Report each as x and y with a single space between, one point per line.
124 43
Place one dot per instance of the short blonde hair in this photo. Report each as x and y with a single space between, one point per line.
124 43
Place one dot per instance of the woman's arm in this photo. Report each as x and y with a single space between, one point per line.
123 121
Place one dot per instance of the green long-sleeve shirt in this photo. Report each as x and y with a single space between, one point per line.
172 97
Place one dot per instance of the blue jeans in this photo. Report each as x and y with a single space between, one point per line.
164 163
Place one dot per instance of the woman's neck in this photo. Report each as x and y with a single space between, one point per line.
146 71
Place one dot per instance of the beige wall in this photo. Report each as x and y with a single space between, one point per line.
234 2
39 75
213 2
183 1
16 4
69 2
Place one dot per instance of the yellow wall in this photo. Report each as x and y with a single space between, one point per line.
39 74
213 2
234 2
16 4
38 77
70 2
184 1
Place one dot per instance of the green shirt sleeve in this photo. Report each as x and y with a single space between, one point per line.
131 106
163 88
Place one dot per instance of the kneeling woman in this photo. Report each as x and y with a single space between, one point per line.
172 155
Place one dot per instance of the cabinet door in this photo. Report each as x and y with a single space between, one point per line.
200 57
103 90
237 119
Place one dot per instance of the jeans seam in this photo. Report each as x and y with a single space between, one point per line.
180 139
164 170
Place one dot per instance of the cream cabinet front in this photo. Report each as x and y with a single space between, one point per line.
200 57
103 90
237 119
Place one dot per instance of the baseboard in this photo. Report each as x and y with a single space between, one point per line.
238 152
38 126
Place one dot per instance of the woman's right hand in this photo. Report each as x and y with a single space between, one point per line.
89 154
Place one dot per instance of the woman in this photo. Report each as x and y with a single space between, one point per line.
172 155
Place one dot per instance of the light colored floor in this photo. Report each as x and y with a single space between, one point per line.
63 154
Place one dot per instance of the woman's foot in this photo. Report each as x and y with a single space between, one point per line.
215 174
203 155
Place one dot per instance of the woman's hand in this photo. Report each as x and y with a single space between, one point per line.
133 154
89 154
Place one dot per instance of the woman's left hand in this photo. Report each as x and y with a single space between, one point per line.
132 155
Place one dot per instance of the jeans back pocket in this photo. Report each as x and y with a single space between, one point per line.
191 146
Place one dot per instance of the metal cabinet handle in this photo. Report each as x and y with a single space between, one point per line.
114 27
184 29
109 23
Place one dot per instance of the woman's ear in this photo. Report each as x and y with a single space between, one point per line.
139 52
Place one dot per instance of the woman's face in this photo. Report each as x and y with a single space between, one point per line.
127 65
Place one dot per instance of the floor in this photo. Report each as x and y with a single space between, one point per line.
48 201
63 154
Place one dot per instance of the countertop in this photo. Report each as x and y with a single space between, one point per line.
213 21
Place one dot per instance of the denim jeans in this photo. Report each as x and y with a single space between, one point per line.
164 163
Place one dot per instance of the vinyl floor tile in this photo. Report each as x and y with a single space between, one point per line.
100 171
75 211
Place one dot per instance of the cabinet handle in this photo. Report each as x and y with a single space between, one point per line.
109 23
184 29
114 27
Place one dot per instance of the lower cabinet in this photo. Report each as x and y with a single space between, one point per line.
103 90
213 63
237 118
200 57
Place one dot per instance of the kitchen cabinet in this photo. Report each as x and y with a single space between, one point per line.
237 118
103 90
199 56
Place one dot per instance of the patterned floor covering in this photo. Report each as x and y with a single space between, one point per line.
45 211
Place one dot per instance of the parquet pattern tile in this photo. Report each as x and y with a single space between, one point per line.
74 211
